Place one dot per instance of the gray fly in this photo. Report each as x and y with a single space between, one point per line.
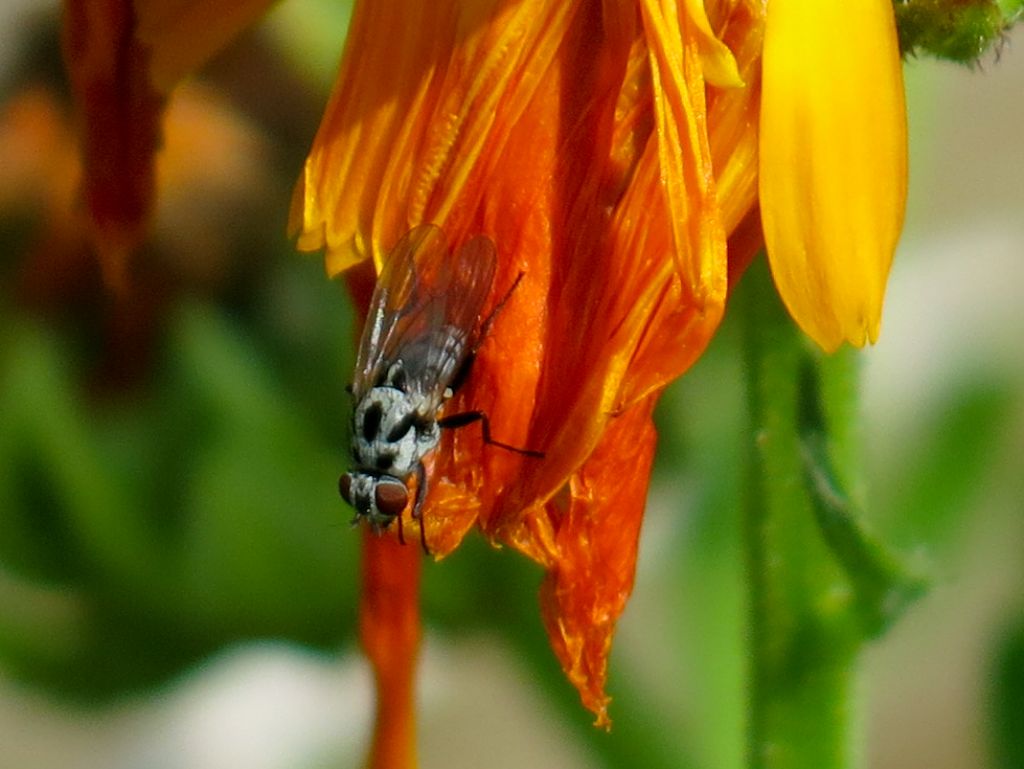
421 336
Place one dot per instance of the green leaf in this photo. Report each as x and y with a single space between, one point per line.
139 537
1007 699
883 585
942 467
72 508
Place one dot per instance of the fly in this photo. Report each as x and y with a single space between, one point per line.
421 336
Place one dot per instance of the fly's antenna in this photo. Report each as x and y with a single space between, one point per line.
423 537
401 534
485 327
417 508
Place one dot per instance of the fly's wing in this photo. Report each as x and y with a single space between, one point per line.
444 327
424 310
396 294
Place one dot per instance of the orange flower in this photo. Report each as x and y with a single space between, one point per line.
610 150
538 124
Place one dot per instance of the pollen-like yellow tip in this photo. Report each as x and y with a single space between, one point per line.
833 162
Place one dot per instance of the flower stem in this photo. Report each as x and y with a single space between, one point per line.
819 584
389 629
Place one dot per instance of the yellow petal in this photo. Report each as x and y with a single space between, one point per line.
833 162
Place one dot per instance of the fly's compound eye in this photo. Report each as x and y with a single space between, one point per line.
391 498
345 487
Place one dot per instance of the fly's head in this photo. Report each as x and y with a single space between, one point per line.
377 498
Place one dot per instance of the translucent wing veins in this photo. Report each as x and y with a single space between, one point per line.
424 312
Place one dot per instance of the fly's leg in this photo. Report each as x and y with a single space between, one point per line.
469 417
401 534
485 328
417 508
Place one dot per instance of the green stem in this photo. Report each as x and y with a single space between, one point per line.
819 584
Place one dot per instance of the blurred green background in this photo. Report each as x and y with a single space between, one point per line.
177 574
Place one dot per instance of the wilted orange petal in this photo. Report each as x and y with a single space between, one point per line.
833 162
389 628
120 116
586 590
412 129
453 511
684 157
123 57
182 35
639 286
733 114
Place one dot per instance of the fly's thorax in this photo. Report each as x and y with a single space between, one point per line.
392 431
